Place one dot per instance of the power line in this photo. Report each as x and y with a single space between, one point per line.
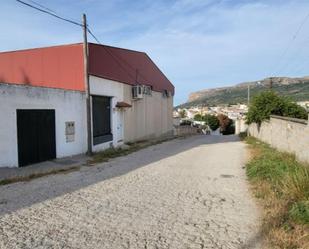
40 5
50 13
115 56
53 13
94 37
291 41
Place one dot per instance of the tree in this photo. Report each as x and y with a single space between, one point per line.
182 113
225 123
212 121
269 103
198 117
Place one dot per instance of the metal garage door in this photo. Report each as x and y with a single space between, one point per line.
36 136
101 119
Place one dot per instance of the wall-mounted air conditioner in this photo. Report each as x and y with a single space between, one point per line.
166 94
137 92
148 90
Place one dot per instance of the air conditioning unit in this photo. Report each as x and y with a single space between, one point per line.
166 94
148 90
137 92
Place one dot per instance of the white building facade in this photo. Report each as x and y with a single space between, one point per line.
41 122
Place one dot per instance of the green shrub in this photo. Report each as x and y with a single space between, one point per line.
269 103
282 183
198 117
212 121
300 212
242 135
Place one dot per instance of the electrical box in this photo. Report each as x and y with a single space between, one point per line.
70 131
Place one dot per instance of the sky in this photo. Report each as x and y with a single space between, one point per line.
198 44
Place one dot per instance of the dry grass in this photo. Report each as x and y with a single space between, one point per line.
282 186
108 154
103 156
38 175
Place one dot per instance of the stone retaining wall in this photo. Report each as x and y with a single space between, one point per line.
182 130
285 134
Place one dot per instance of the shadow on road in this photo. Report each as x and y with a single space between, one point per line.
24 194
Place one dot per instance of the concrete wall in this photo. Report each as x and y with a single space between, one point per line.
285 134
182 130
240 125
113 89
68 105
149 117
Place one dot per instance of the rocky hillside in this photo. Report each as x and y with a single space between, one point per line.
296 88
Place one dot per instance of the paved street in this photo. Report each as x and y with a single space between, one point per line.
185 193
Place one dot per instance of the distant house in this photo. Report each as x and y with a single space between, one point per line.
43 101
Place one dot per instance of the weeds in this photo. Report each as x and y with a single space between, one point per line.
105 155
100 157
38 175
282 184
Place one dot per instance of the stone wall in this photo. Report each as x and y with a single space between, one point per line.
285 134
182 130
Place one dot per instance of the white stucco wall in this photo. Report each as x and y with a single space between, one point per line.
285 134
240 125
149 117
68 106
113 89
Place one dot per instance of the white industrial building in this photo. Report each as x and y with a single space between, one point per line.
43 101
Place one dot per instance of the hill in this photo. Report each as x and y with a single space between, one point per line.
296 88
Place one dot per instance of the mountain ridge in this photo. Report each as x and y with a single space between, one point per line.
296 88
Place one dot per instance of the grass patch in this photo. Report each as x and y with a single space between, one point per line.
108 154
100 157
38 175
282 185
242 135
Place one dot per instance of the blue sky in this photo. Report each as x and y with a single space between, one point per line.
198 44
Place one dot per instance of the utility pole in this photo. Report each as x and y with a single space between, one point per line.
248 94
87 88
271 83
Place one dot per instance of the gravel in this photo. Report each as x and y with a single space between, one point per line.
184 193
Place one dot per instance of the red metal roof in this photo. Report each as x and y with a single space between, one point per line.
54 67
62 67
127 66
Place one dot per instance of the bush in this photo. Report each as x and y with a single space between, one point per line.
282 183
212 121
242 135
198 117
226 125
229 130
269 103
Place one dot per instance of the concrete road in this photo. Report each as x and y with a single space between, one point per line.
185 193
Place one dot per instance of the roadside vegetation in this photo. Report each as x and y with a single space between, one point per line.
129 148
269 103
99 157
221 121
282 185
38 175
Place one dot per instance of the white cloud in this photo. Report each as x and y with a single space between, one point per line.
197 43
